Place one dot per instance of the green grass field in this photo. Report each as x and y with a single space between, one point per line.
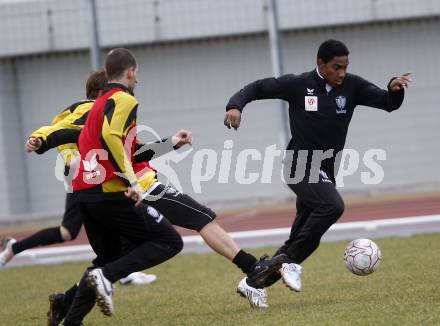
200 290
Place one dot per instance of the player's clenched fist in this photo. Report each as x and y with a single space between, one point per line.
233 119
400 82
33 144
182 137
135 193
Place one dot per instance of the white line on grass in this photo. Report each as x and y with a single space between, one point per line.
404 226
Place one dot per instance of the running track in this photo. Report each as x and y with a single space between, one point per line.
281 217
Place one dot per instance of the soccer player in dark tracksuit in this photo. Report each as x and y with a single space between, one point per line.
321 105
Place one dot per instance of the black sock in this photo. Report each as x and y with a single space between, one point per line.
70 295
41 238
244 261
82 303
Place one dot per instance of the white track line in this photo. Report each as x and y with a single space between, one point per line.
258 238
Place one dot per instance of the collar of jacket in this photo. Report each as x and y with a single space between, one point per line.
117 85
319 79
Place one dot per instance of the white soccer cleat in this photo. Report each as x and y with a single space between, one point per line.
257 297
103 289
6 253
138 278
291 275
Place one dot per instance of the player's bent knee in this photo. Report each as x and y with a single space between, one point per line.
178 245
65 234
174 247
337 208
74 233
332 210
208 226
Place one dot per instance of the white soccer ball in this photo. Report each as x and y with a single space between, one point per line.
362 256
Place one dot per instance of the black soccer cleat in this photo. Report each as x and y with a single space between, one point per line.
57 310
264 269
272 279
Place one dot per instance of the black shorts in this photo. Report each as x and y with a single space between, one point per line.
180 209
72 219
116 227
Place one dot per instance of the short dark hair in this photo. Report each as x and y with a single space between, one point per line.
117 61
96 82
330 49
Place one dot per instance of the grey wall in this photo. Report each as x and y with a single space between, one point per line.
187 84
5 91
13 184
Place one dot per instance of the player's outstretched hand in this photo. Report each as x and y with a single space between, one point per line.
400 82
135 193
233 119
182 137
33 144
